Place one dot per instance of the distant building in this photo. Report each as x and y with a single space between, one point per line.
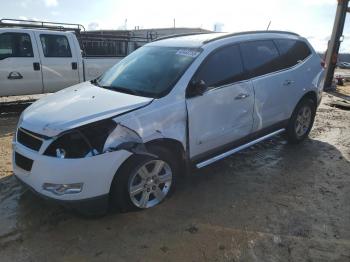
123 42
161 32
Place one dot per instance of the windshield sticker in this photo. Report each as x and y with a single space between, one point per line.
187 52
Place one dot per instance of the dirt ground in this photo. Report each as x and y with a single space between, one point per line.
272 202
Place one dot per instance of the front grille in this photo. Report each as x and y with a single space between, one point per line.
23 162
28 139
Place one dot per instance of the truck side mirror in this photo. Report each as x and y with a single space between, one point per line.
196 88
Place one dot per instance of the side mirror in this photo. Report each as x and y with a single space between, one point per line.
196 88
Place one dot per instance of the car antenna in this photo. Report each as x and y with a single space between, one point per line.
268 26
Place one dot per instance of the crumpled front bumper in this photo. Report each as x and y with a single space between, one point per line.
95 172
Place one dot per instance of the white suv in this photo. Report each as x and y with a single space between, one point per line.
173 104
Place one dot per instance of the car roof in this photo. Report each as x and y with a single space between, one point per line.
201 39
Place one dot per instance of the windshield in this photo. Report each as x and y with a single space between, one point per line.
150 71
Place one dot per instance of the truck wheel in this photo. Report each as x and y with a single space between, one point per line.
301 122
144 181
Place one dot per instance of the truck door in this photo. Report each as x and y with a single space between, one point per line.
59 60
20 71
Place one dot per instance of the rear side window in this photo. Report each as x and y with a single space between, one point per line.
291 52
55 46
260 57
222 67
15 45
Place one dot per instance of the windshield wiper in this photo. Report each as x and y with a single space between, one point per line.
118 89
115 88
122 90
94 82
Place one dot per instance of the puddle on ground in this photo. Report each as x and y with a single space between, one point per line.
21 210
10 193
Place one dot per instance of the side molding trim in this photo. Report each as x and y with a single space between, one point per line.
237 149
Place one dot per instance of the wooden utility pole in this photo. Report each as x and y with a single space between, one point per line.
334 43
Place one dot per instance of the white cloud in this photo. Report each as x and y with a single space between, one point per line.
21 17
24 3
55 13
51 3
320 2
312 18
93 26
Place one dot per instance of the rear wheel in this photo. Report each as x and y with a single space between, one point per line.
301 122
144 181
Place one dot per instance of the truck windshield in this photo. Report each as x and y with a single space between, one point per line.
150 71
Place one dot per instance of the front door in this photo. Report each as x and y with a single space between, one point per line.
20 71
59 61
224 113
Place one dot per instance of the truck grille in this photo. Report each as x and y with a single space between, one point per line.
29 139
23 162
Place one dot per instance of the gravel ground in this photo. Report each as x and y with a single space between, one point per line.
272 202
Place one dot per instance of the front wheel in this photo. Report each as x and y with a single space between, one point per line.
301 122
143 181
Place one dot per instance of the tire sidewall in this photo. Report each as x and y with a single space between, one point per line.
291 132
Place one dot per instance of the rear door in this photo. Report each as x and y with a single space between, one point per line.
294 59
273 85
59 60
20 71
223 114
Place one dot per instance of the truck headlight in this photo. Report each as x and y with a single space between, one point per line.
93 139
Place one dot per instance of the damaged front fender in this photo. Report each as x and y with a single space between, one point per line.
124 138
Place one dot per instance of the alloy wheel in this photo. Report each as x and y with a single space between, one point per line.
303 121
150 184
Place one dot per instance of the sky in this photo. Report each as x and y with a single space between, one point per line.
312 19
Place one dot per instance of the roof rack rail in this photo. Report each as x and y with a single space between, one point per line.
179 35
6 22
247 33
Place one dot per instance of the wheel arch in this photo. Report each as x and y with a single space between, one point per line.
174 147
310 95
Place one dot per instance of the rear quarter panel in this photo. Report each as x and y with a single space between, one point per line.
309 77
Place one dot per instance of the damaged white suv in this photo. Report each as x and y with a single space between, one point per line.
173 104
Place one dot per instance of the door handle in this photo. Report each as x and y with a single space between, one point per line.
288 82
14 75
74 65
36 66
241 96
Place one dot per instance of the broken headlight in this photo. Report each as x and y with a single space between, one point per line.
93 139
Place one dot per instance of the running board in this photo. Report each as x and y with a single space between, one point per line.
235 150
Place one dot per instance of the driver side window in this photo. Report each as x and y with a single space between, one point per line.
222 67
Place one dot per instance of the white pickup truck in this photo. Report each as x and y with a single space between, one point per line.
35 61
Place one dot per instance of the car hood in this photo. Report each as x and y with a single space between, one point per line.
75 106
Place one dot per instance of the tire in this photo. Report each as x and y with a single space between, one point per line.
132 175
301 122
